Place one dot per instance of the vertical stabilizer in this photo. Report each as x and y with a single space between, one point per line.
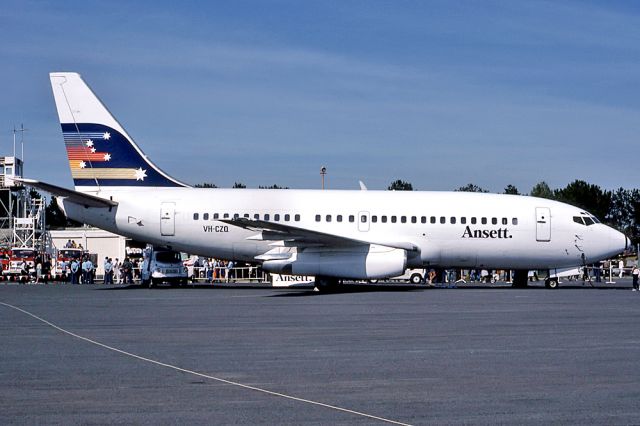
100 152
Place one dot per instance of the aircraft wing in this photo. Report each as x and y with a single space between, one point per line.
296 236
71 195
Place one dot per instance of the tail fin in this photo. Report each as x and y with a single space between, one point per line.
100 152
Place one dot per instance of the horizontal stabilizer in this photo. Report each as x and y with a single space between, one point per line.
73 196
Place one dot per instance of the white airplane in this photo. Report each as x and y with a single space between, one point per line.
331 234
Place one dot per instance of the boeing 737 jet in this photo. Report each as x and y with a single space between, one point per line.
331 234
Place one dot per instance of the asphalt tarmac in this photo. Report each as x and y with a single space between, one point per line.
365 356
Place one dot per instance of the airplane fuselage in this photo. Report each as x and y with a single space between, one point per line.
448 229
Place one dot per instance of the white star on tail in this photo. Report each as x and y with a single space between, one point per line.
141 174
83 164
93 150
89 142
107 157
106 136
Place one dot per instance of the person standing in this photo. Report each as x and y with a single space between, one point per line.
75 269
621 267
127 271
636 274
87 271
108 271
116 271
38 271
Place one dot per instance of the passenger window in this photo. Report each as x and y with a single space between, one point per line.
423 219
453 220
255 216
317 218
463 220
297 218
195 216
216 216
394 219
226 215
352 218
287 217
384 219
266 216
403 219
474 220
246 215
276 217
339 218
374 219
443 219
504 221
414 219
363 218
328 218
205 216
494 220
433 219
514 221
484 220
236 215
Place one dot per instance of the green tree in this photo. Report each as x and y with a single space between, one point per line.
542 190
510 189
274 186
239 185
400 185
470 187
55 218
623 212
587 196
206 185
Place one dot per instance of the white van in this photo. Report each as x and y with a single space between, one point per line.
162 265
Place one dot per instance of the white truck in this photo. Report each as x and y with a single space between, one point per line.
162 266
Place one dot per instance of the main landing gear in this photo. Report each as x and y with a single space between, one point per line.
520 278
327 284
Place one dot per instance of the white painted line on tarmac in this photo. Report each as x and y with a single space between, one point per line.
206 376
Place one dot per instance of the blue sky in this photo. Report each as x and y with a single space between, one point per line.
437 93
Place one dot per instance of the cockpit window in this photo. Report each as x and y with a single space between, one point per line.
586 219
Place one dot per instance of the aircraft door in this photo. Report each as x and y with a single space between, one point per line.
168 219
363 221
543 224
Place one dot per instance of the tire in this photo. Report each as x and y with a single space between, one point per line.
415 279
327 284
551 283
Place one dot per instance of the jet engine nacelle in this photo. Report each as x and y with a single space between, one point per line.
366 262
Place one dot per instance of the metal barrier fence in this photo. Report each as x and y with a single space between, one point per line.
222 274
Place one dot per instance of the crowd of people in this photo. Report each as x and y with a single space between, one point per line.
83 271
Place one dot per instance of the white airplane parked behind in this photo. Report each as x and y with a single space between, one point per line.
331 234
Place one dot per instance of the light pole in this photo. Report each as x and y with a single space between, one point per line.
323 171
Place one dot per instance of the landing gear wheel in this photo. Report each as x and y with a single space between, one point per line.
520 278
551 283
416 279
327 284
